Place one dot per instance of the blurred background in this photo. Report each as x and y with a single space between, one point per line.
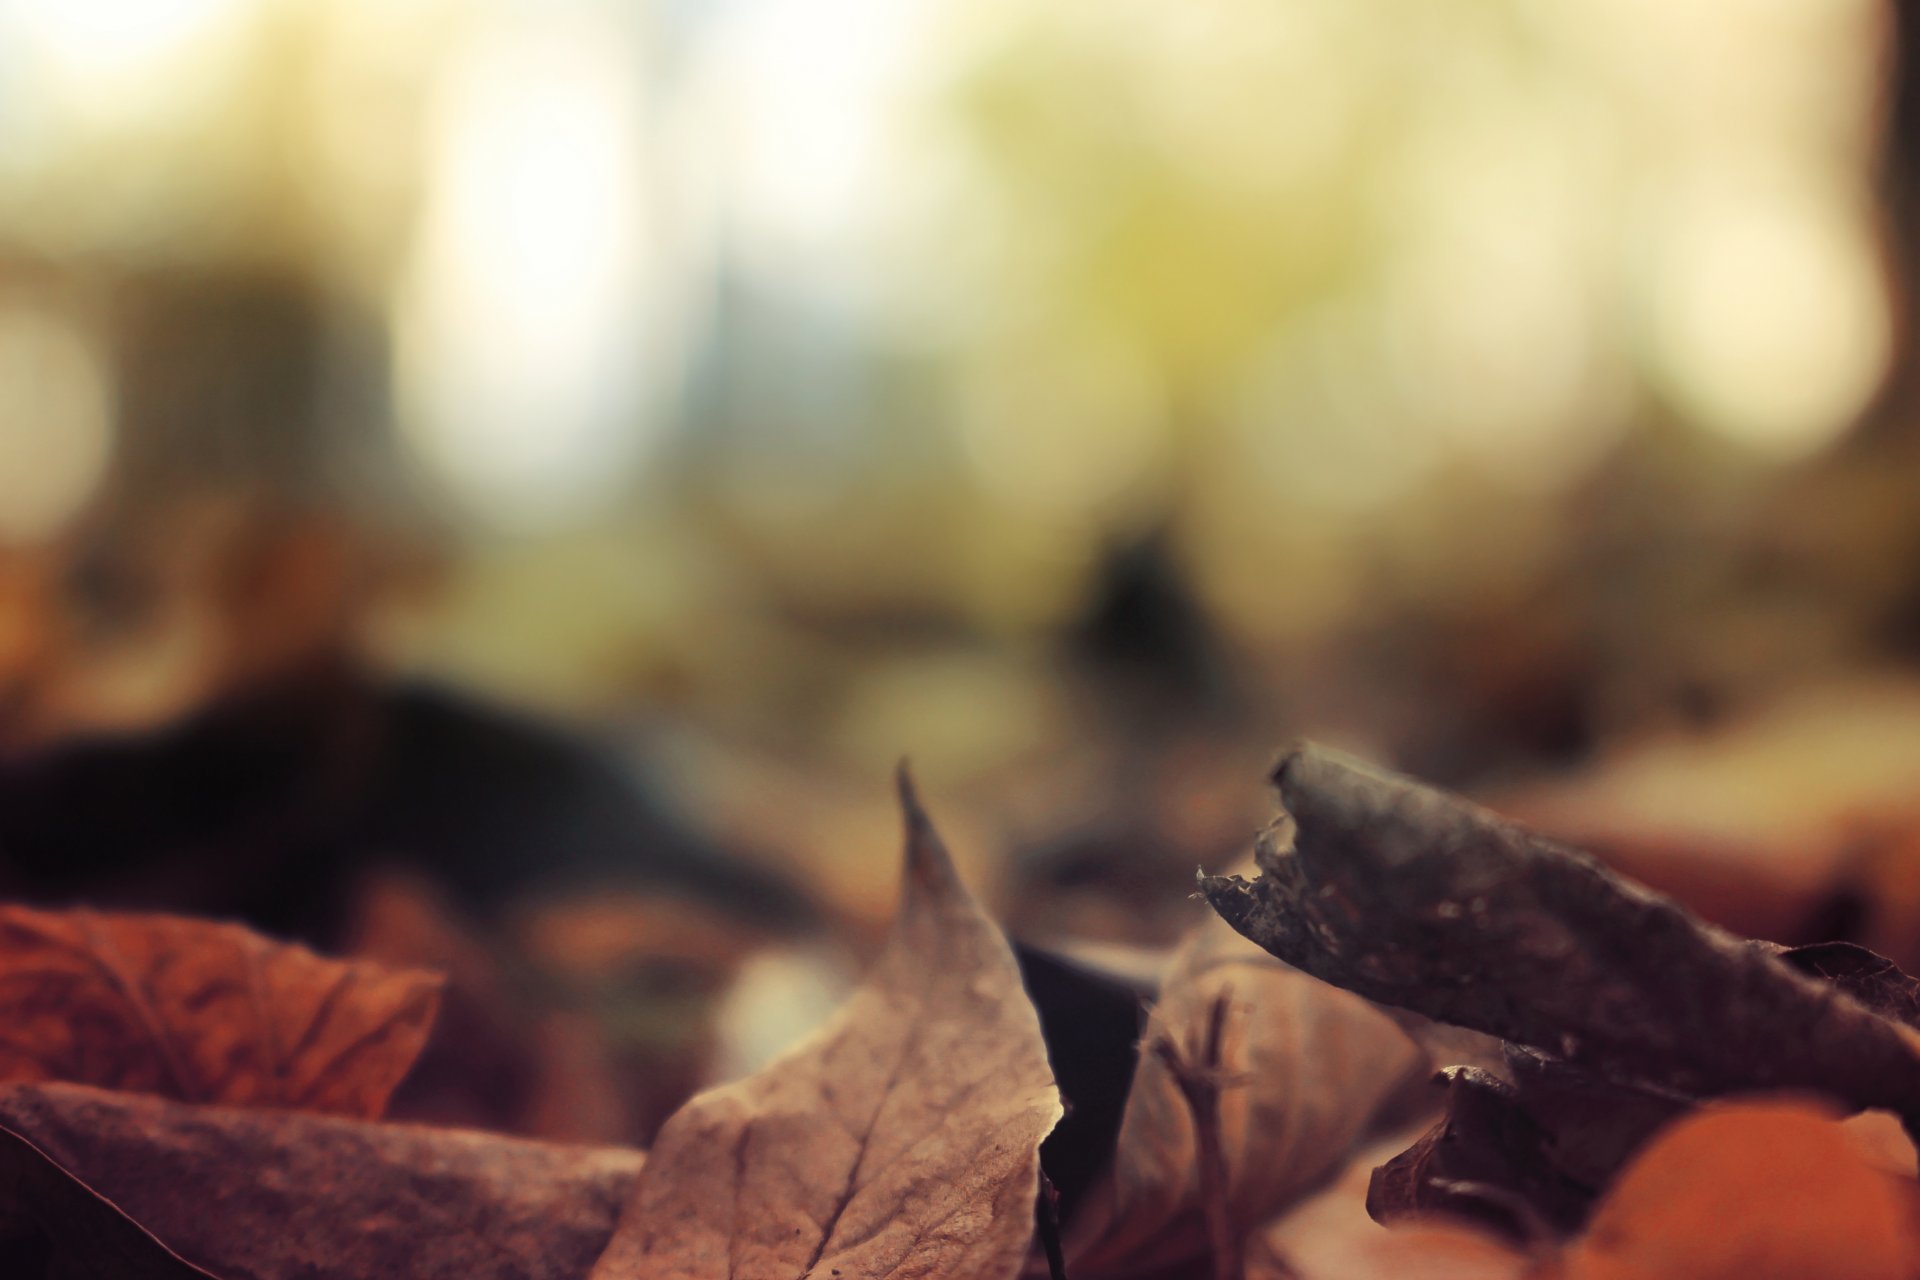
484 478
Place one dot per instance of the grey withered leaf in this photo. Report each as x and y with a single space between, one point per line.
1414 897
1867 976
123 1186
901 1140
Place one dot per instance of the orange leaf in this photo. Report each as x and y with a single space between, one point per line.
203 1012
1770 1190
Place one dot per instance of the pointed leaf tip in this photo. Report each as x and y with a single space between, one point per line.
927 860
910 807
901 1140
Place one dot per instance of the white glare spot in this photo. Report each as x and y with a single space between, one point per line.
101 42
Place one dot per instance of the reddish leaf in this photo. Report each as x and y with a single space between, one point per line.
902 1140
266 1195
203 1012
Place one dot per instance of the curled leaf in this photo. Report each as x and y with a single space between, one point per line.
1525 1155
1486 1161
902 1140
203 1012
1413 897
125 1187
1305 1070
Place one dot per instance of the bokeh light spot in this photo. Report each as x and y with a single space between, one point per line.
56 423
1768 316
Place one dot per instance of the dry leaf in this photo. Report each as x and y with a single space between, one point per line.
1329 1236
1410 896
1523 1152
900 1141
1871 978
1487 1161
1764 1190
55 1227
203 1012
262 1195
1306 1070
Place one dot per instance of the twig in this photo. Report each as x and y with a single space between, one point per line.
1199 1076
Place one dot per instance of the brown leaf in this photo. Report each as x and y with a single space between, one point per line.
1593 1125
1414 897
901 1140
55 1227
203 1012
1763 1190
1329 1236
1486 1161
1525 1154
1306 1069
258 1195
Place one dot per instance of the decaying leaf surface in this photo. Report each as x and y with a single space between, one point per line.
1593 1125
1414 897
1486 1161
1305 1071
203 1012
902 1140
1867 976
1762 1190
267 1195
1525 1152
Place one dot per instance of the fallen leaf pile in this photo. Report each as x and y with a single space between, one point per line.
1642 1095
1625 1020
